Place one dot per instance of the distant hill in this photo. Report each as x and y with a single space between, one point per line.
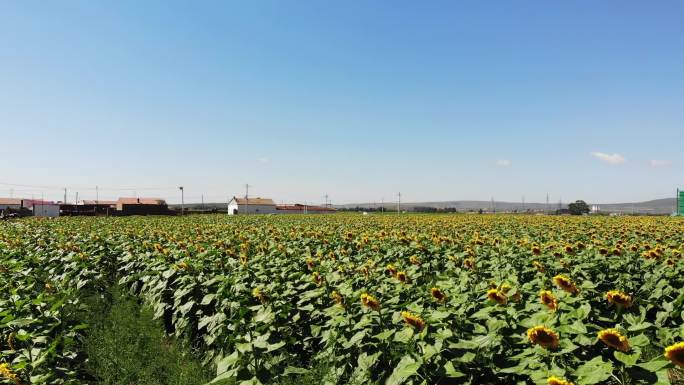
657 206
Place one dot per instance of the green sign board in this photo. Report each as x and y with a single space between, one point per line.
681 203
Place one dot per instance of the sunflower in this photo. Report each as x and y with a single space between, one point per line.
497 296
6 372
413 320
538 266
438 295
569 249
675 353
316 277
536 250
558 381
402 277
370 302
391 269
310 263
469 263
614 339
414 260
337 297
543 336
547 298
619 298
565 283
506 288
259 295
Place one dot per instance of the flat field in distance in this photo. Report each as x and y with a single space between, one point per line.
352 299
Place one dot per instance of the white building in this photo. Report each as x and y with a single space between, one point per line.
251 206
42 208
46 210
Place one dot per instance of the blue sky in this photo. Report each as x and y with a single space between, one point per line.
361 99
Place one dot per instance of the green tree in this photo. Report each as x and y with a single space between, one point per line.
578 208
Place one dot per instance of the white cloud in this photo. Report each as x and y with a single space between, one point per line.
655 163
613 159
503 163
263 160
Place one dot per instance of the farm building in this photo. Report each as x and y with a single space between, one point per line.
89 207
40 208
251 206
304 209
142 206
11 204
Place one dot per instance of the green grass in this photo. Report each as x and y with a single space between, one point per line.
125 346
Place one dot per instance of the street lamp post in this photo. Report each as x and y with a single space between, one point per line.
182 199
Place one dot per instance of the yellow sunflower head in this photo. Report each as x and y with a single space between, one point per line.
413 320
337 298
538 266
543 336
438 295
547 298
6 372
536 250
565 284
558 381
619 298
310 263
497 296
369 301
317 278
614 339
259 295
675 353
402 277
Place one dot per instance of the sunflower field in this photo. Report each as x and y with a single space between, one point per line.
349 299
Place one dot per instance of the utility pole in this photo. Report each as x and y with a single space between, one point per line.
326 199
65 194
97 196
547 203
202 202
182 199
382 204
493 206
76 197
247 186
523 203
399 204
